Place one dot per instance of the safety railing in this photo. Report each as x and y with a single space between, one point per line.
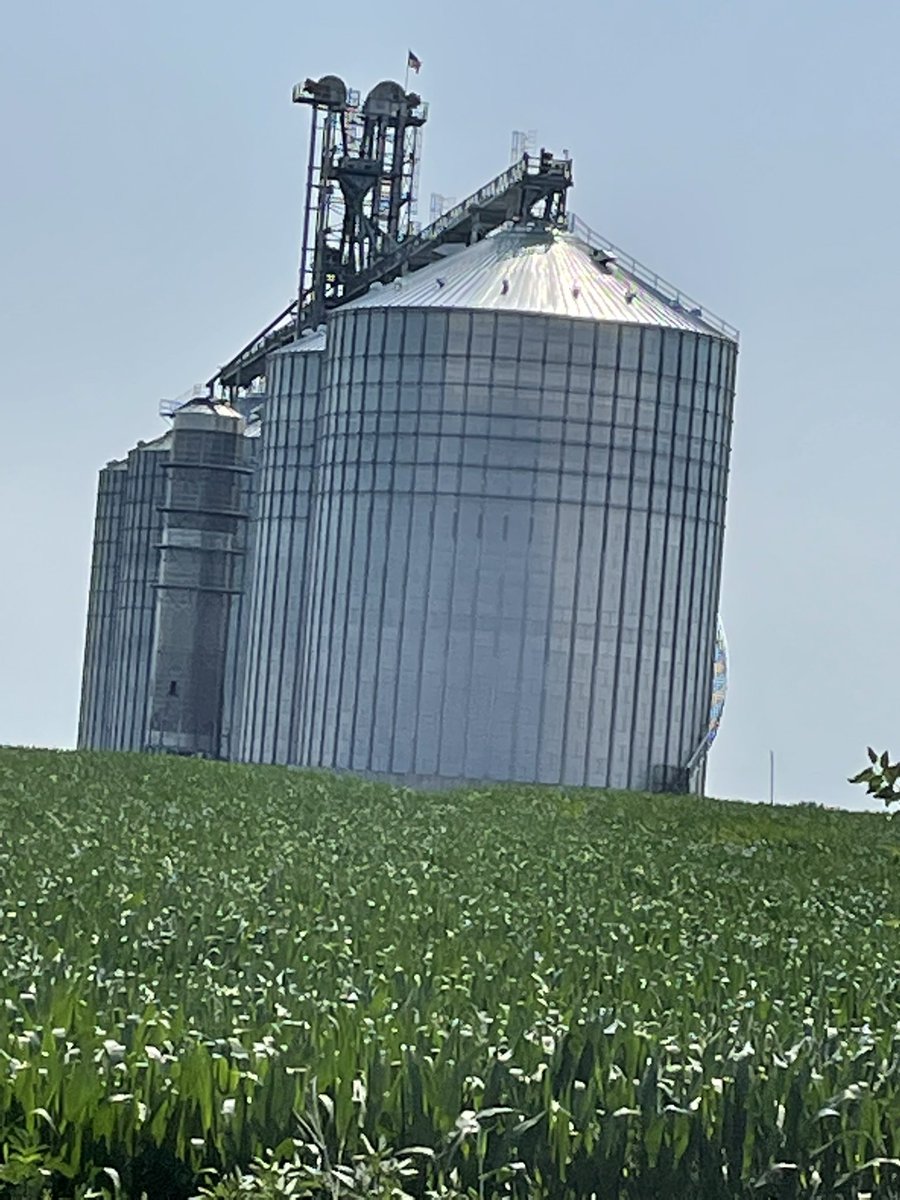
168 407
528 167
668 292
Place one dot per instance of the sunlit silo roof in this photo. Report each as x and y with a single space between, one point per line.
534 271
309 340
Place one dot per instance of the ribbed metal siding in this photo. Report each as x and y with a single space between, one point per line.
517 547
236 650
200 571
135 621
280 573
99 658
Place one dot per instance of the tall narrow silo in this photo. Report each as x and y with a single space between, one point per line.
135 620
199 574
280 571
99 656
520 501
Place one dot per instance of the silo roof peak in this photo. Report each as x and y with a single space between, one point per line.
532 269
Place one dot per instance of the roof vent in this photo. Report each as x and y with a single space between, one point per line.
504 287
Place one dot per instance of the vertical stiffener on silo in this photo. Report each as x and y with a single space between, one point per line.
201 553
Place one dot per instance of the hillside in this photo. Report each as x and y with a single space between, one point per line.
552 993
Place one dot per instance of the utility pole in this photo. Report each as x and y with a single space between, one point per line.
771 776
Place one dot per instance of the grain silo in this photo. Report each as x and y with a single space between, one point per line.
122 603
519 517
484 512
99 648
238 609
200 564
277 593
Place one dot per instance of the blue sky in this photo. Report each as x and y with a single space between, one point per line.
149 222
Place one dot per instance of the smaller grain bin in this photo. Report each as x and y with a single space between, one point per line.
201 549
280 559
99 653
122 603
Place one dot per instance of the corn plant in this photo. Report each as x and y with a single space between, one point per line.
224 977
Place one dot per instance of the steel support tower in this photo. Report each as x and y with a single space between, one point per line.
361 199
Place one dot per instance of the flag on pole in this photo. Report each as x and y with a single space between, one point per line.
413 63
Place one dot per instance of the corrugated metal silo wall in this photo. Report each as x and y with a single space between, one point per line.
199 573
236 653
517 548
99 652
279 578
133 638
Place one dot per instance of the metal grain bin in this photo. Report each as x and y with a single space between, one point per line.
99 655
519 506
278 591
201 549
127 698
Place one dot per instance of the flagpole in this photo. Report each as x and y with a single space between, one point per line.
413 62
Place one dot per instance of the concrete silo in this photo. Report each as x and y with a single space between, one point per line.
519 510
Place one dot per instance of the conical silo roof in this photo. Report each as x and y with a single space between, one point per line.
215 408
163 442
309 340
533 271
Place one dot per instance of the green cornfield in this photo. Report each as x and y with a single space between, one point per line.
519 992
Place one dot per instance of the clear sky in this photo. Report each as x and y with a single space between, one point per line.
150 188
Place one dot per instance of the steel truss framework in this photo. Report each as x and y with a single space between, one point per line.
361 199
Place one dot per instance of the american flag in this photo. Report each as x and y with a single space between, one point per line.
412 62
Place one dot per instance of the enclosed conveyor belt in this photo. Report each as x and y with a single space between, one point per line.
535 186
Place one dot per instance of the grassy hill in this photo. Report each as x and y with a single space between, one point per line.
552 994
